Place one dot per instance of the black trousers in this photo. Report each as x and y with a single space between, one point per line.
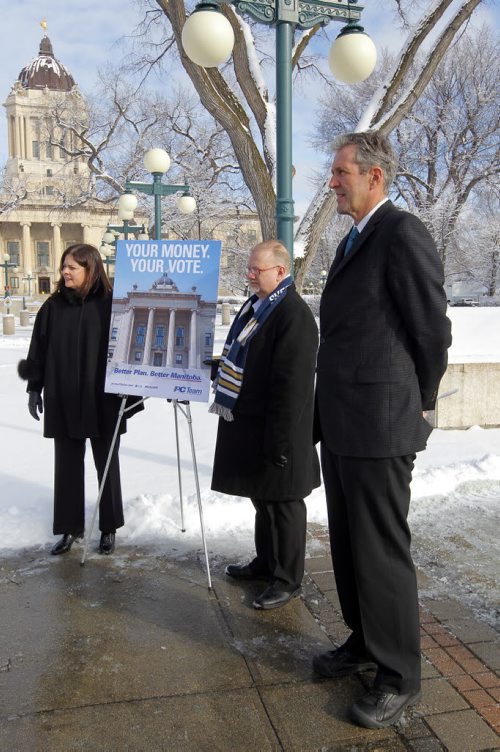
69 485
280 541
368 501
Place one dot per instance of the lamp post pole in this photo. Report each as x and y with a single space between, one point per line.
126 228
157 162
108 260
352 59
7 264
156 189
29 279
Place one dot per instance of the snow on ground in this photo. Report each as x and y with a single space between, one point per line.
456 486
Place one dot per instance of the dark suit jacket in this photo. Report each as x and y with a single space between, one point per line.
384 336
273 415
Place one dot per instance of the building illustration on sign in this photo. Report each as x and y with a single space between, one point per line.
162 327
163 318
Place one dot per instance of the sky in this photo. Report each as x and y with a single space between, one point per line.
455 489
87 35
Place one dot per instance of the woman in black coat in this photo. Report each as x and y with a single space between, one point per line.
67 361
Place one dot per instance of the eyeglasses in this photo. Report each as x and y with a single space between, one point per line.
256 271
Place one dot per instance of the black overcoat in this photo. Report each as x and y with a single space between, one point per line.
384 336
274 411
67 360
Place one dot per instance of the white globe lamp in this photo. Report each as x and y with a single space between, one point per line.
156 160
207 36
127 202
124 214
186 204
353 55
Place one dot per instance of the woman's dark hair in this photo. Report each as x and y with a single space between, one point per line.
89 257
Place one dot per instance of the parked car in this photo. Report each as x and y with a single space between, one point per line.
466 302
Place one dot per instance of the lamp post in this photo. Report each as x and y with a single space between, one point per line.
127 217
323 276
207 38
157 162
108 253
29 279
7 264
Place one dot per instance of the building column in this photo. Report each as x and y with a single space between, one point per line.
15 130
193 334
86 234
122 348
27 259
149 338
171 339
56 244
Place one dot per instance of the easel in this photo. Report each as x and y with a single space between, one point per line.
185 409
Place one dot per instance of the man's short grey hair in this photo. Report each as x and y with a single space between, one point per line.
372 150
279 251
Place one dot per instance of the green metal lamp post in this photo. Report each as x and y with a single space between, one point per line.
207 38
29 279
108 252
7 264
157 162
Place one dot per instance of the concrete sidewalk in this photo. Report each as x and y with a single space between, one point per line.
132 652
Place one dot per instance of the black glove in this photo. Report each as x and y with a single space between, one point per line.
35 404
280 461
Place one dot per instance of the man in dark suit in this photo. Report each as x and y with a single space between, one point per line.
383 350
264 450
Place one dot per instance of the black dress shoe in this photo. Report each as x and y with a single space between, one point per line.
107 544
274 598
64 544
245 572
378 708
341 662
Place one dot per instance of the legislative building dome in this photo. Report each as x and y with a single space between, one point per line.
46 71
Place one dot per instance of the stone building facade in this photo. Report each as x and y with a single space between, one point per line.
42 182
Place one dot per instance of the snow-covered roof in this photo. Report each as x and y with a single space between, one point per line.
45 71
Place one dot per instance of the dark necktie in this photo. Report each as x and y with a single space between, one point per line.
353 235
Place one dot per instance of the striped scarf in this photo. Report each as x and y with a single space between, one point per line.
229 379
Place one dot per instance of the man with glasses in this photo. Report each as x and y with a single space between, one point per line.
264 397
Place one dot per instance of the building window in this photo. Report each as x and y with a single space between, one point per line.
49 152
42 253
13 251
159 336
49 173
44 285
157 359
14 283
114 332
208 339
138 356
35 148
49 190
140 337
178 359
179 336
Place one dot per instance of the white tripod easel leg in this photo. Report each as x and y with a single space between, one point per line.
103 481
186 411
179 474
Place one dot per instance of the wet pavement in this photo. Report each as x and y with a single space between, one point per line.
133 652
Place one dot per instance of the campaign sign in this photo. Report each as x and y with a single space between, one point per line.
163 318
